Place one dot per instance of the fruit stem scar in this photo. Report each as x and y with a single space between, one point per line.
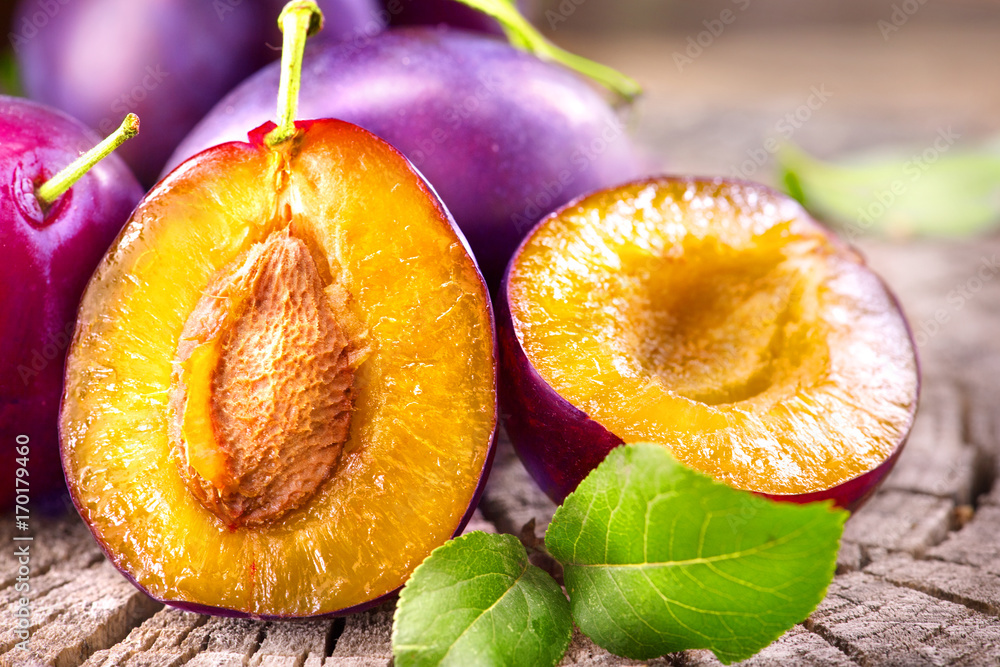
64 180
299 20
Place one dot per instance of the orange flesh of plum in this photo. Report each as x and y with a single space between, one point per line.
406 292
719 321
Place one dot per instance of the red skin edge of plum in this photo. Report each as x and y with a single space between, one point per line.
256 138
560 444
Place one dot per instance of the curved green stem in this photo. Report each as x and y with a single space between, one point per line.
525 36
299 20
64 180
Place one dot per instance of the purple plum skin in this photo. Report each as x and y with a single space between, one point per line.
559 444
502 136
168 61
343 21
47 261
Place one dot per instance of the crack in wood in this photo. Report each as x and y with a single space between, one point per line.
847 656
939 593
985 469
332 635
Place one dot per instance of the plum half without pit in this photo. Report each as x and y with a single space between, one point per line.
281 393
713 317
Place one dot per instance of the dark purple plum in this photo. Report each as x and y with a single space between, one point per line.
168 61
47 259
6 17
501 135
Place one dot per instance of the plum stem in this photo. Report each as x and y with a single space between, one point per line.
64 180
299 20
525 36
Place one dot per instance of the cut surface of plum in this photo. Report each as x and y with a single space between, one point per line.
715 318
281 393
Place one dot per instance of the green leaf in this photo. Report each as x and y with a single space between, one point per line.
941 191
477 600
659 558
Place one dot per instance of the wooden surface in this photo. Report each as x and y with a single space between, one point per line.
918 574
918 579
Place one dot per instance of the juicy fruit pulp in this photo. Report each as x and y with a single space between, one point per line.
281 395
720 321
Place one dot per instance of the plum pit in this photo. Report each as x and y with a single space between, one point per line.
262 393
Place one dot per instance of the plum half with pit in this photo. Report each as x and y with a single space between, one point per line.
49 251
503 136
713 317
281 394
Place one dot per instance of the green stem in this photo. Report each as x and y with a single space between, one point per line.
64 180
525 36
299 20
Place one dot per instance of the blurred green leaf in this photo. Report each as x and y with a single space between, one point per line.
10 81
940 191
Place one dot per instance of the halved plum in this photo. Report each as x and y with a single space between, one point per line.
716 318
280 397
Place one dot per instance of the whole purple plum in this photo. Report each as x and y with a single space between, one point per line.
501 135
168 61
48 256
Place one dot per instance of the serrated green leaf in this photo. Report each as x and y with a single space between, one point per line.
476 600
659 558
941 191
